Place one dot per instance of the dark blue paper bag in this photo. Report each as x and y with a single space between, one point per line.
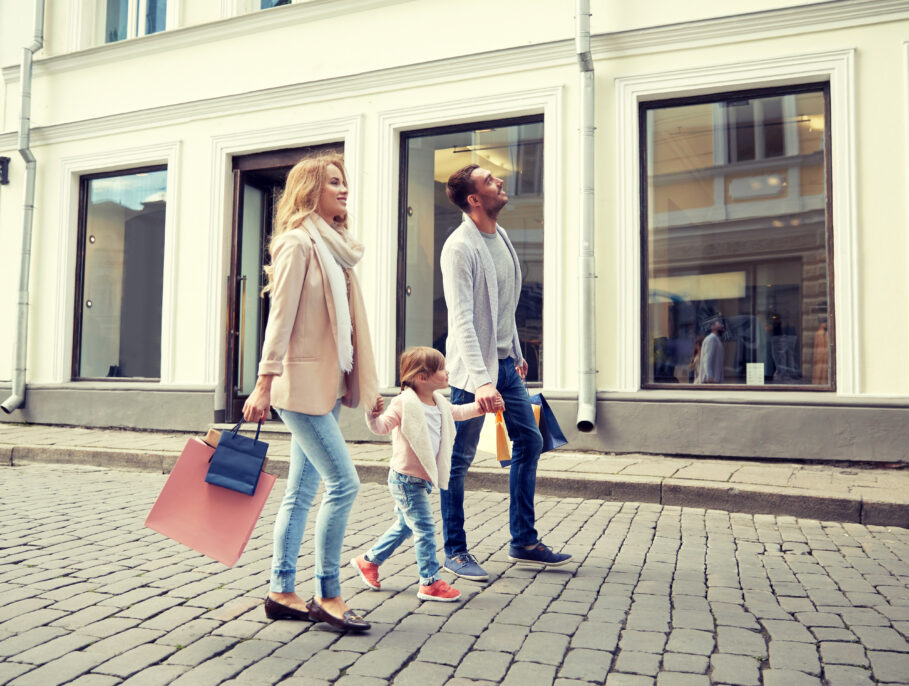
549 427
237 461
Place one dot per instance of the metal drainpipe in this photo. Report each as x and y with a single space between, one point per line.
587 408
17 399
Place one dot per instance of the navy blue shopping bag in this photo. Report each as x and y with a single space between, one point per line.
237 461
549 427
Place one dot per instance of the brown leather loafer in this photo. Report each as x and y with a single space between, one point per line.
276 610
351 621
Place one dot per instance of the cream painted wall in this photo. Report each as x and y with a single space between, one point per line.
200 73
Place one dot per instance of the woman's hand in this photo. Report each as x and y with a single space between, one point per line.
258 405
378 407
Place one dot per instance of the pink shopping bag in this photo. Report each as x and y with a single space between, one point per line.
213 520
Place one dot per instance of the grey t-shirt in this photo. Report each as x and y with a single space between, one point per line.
504 264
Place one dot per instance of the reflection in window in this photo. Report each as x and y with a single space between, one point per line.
737 240
265 4
514 153
122 248
130 18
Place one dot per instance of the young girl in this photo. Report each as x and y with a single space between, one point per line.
421 422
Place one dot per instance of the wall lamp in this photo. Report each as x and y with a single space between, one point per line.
4 171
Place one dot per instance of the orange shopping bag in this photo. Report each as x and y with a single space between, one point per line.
503 444
213 520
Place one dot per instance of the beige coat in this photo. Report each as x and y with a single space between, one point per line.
301 346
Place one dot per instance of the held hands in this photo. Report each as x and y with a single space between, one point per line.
521 369
489 399
378 407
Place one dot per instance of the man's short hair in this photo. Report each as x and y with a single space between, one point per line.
460 185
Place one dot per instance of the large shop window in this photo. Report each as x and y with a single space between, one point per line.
119 275
131 18
511 150
737 240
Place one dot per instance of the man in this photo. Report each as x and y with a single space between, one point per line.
481 278
710 367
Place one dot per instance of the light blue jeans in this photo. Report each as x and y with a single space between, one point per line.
318 453
414 515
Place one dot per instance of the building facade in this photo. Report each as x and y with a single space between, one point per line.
750 212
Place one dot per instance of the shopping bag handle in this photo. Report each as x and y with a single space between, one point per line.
240 423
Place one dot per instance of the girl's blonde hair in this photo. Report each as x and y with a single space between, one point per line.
419 360
300 198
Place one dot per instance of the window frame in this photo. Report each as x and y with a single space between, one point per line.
401 215
643 106
79 286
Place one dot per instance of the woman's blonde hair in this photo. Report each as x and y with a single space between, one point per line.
419 360
300 198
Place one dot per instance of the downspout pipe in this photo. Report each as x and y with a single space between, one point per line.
587 409
20 348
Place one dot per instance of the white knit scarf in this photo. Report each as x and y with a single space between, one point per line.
337 251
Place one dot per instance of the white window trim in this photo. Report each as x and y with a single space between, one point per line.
347 130
382 300
83 31
835 67
72 170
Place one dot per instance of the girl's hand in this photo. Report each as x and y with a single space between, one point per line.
378 407
498 405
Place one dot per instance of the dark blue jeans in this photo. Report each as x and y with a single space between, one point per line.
522 481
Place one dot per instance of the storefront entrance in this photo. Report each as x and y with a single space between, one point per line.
258 184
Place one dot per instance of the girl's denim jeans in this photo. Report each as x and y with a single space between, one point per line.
318 453
414 515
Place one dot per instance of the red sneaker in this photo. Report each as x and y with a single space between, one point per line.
369 571
439 590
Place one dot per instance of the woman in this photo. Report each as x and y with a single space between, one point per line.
316 355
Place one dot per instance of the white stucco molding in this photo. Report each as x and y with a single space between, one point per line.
835 67
346 130
383 299
71 170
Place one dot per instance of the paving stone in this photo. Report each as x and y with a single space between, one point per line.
199 651
633 662
446 649
681 679
381 663
525 673
842 654
10 670
619 679
642 641
819 619
690 641
53 649
558 623
838 675
544 648
788 677
827 634
889 667
506 638
101 680
596 636
682 662
419 673
483 664
741 642
59 671
157 675
586 665
736 670
787 631
19 643
789 655
692 619
327 664
881 638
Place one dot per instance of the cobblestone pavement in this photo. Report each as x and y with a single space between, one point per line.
658 595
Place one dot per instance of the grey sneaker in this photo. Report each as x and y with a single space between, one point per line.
466 567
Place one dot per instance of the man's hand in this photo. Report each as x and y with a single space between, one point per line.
488 398
521 369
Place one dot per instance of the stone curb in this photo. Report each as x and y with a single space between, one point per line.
732 497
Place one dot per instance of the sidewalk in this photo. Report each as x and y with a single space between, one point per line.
865 493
